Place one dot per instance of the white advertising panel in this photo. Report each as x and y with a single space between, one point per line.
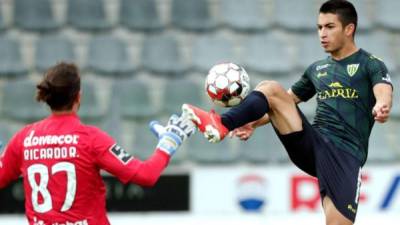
284 189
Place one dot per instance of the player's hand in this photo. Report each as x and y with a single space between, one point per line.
177 130
243 132
181 126
381 112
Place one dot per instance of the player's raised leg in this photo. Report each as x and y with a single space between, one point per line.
268 97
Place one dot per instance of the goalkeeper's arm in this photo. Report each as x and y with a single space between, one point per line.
9 164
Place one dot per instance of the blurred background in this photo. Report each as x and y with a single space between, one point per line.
141 59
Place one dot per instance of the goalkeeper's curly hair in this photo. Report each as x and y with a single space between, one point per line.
60 86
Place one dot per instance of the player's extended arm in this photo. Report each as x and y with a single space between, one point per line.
170 138
383 94
115 160
244 132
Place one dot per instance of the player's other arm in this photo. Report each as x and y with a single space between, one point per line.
9 164
383 95
382 89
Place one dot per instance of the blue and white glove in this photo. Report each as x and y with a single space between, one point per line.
170 137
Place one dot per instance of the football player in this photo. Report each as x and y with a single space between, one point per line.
60 158
353 90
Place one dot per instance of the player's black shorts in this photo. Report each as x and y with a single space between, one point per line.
338 172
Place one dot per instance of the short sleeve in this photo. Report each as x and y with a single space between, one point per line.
304 88
111 157
378 72
10 161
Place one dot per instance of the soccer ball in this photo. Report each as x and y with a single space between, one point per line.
227 84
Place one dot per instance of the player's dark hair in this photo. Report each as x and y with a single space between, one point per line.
345 10
60 86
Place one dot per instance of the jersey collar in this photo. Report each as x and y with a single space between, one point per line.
64 115
348 58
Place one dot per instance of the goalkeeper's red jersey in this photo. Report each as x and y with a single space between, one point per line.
60 160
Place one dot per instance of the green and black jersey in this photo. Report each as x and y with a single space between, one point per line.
345 98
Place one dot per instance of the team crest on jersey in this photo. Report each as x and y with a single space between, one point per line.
352 69
120 153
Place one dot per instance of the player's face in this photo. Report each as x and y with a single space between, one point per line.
332 36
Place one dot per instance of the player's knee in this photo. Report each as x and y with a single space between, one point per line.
272 90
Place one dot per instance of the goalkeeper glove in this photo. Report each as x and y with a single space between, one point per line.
170 137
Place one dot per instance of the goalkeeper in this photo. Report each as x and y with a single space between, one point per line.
60 158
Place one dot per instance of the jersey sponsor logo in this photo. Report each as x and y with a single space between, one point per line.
346 93
320 67
120 153
352 69
32 140
337 90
